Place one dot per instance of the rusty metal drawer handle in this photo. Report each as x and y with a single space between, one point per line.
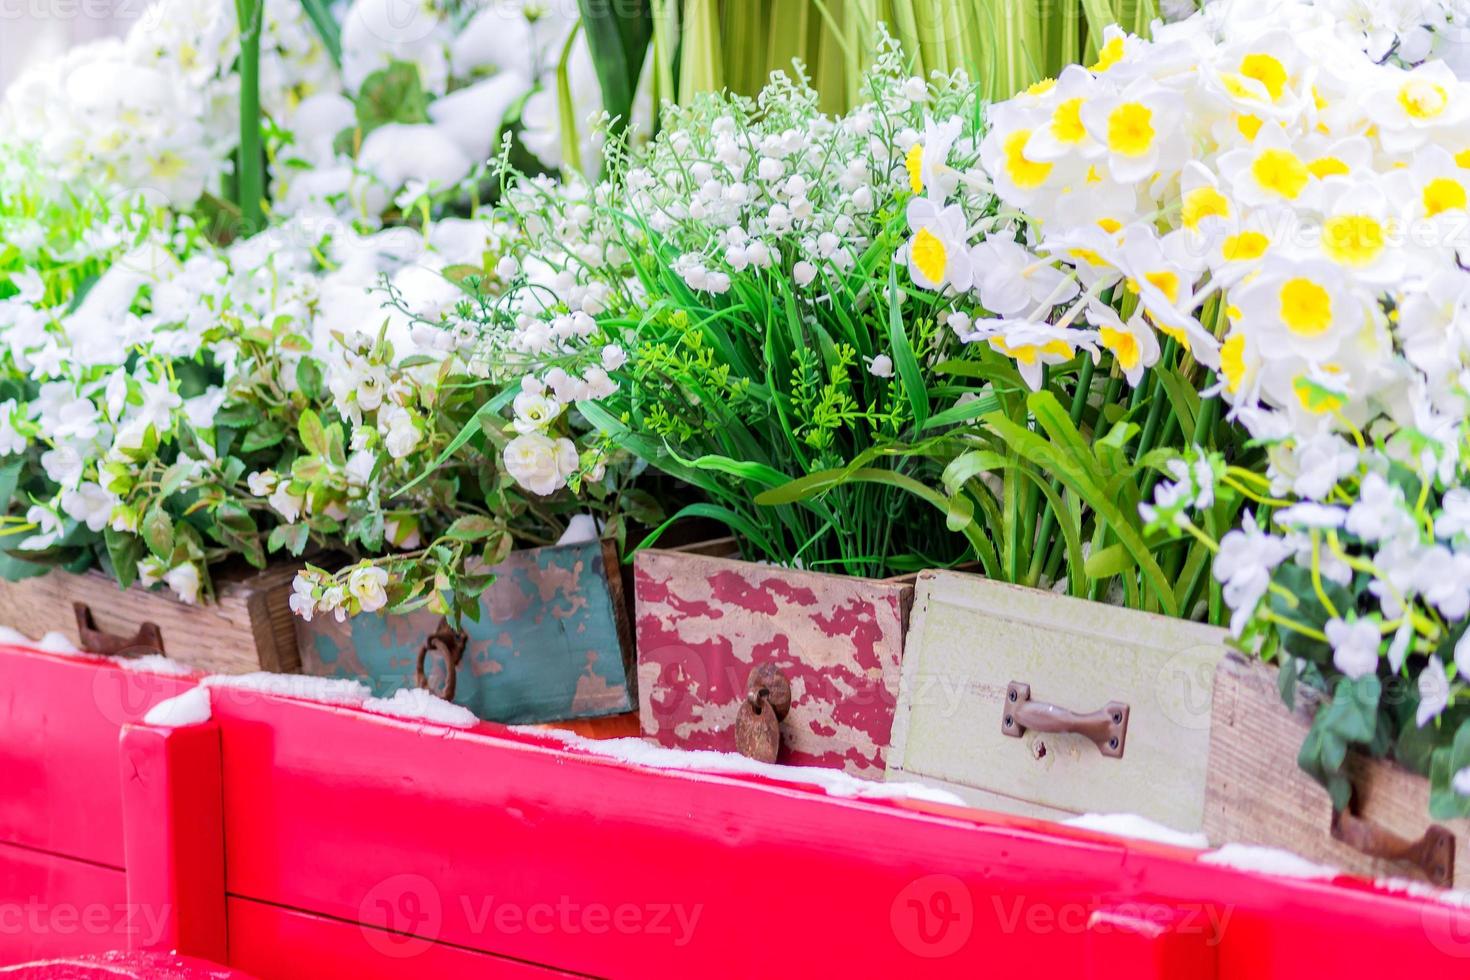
447 644
1107 728
148 639
758 723
1433 854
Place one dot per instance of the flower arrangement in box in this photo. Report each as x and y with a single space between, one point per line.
179 396
1288 212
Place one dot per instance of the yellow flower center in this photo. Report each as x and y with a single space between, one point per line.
1024 173
1232 361
1110 54
1123 345
1202 203
1130 129
913 161
1463 159
1248 126
1166 283
1109 225
1423 100
1245 246
929 255
1324 167
1306 308
1066 122
1266 70
1443 194
1042 87
1353 239
1281 172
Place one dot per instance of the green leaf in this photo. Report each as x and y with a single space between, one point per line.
391 95
309 378
313 434
618 35
471 527
966 466
903 355
263 435
320 14
641 506
1444 802
158 532
240 415
9 480
1107 562
292 537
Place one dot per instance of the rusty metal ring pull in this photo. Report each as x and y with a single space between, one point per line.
1107 729
148 639
448 644
758 723
1433 854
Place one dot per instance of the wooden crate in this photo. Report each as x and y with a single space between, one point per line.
248 627
553 642
1256 793
974 642
704 622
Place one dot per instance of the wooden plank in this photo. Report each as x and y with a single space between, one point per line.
60 790
248 628
704 622
285 944
52 905
972 638
553 641
1256 793
312 824
173 836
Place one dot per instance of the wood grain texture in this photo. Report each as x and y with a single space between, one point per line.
704 622
247 628
972 637
1256 793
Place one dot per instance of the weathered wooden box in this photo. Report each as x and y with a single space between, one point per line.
1256 793
705 622
552 643
1027 702
248 627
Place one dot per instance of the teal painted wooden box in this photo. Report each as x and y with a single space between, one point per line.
552 643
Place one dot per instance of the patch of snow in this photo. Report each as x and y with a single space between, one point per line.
834 782
580 529
330 690
1138 828
1267 860
14 636
189 708
55 642
417 704
1454 897
152 663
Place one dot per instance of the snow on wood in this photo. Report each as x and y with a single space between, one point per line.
417 704
55 642
1138 828
580 529
1267 860
325 689
189 708
833 781
151 663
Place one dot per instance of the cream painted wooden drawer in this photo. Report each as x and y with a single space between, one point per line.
974 642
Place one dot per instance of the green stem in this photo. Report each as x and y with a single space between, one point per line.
251 160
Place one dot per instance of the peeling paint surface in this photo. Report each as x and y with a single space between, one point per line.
703 623
547 646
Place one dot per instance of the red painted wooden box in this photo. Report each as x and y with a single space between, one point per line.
703 623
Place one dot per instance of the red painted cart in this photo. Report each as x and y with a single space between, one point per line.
296 839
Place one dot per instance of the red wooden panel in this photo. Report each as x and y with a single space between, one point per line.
284 944
53 906
510 845
173 839
59 721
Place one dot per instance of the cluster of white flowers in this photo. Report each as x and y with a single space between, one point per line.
157 111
